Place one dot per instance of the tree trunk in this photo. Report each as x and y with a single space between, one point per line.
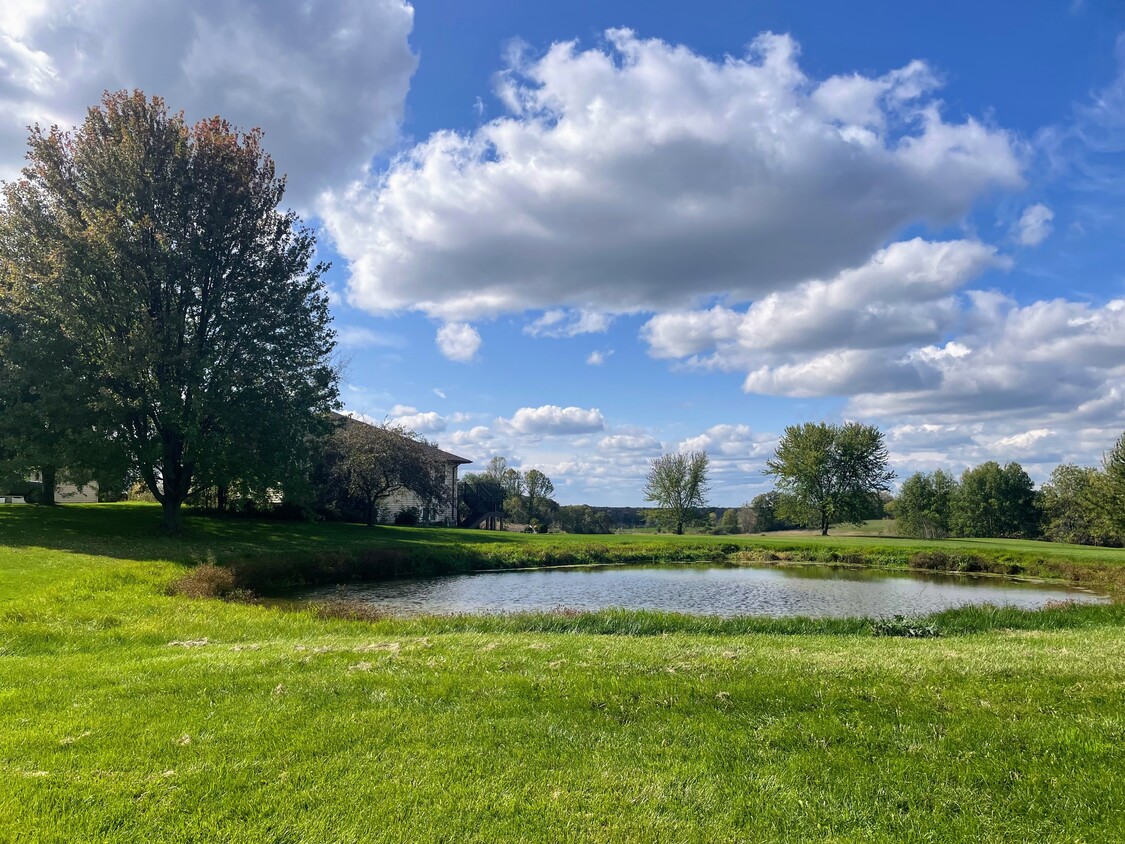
175 483
823 523
173 523
222 497
680 527
371 513
49 474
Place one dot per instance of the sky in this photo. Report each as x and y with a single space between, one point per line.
583 234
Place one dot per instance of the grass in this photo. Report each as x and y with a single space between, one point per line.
130 714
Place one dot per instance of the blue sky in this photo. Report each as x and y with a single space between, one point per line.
581 234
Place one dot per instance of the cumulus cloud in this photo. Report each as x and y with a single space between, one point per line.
1034 225
458 341
563 323
429 422
598 357
1055 356
629 442
552 420
903 294
641 176
326 82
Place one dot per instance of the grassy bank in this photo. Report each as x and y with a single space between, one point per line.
131 714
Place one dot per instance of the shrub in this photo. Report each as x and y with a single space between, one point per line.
905 627
347 609
407 516
207 581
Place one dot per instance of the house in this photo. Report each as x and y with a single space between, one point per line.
65 493
404 499
400 499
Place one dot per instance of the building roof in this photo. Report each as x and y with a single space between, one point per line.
431 449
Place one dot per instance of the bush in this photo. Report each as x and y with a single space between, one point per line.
905 627
408 516
207 581
347 609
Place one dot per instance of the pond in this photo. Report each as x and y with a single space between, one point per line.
804 590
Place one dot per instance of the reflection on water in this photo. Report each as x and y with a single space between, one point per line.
708 590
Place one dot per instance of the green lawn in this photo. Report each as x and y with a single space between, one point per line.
127 714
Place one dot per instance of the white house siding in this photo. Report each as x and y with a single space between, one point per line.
404 499
71 494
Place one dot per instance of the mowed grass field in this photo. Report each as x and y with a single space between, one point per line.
130 714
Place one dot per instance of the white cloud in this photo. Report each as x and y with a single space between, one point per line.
326 82
642 176
1034 225
903 294
429 422
629 442
563 323
1051 357
598 357
458 341
358 337
439 393
552 420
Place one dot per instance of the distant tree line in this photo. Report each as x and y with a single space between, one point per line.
1078 504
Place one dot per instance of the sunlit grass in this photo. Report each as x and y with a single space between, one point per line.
127 714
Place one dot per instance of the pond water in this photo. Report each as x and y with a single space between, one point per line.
805 590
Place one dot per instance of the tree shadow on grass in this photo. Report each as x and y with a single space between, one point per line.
133 531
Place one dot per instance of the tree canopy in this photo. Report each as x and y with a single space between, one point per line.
159 253
830 473
369 462
925 505
995 501
677 484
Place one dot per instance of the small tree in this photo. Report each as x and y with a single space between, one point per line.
729 522
372 461
830 473
677 484
539 489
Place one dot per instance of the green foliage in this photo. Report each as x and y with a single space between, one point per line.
996 502
924 507
479 493
365 463
538 489
190 322
907 628
407 516
677 484
764 514
1077 507
582 518
1113 464
830 473
729 524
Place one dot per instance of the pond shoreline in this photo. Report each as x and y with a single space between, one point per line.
711 588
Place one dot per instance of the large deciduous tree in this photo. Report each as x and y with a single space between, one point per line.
830 473
996 502
677 484
1077 507
186 295
924 506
